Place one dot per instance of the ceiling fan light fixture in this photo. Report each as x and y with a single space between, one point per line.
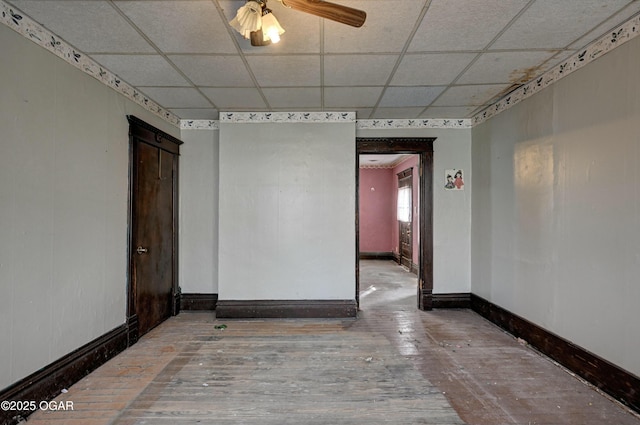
248 18
271 27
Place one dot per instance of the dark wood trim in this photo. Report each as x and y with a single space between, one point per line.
377 256
287 309
453 300
133 330
357 226
176 209
611 379
47 383
153 135
198 301
404 175
423 146
382 145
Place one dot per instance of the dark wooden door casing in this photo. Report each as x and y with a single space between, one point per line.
423 146
153 226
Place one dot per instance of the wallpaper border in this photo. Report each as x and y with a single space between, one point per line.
41 36
30 29
617 37
281 117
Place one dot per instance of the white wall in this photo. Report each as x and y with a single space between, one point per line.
199 164
286 211
63 207
198 227
451 209
556 208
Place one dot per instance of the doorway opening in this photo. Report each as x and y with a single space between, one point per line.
422 262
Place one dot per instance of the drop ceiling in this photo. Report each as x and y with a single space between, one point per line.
412 59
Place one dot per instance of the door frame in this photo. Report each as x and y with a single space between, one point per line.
141 132
422 146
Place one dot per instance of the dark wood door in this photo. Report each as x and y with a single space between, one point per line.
405 231
153 238
153 288
406 248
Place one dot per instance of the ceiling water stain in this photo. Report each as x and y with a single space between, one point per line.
525 75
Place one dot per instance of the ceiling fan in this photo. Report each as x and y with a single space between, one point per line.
256 22
324 9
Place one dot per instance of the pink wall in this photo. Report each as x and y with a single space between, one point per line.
412 161
378 221
377 209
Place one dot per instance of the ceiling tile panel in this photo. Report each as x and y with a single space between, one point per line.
397 65
552 24
389 23
608 25
283 71
506 67
470 95
351 97
90 26
431 69
235 98
142 70
215 71
463 25
294 97
181 26
358 70
410 96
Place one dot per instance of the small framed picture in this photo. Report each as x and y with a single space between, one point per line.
454 179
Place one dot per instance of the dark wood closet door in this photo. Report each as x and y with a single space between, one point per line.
154 236
153 287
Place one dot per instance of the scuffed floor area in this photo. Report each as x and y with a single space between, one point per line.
488 376
394 364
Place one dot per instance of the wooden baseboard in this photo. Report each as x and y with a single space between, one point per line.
606 376
47 383
198 301
396 257
133 330
377 256
287 309
453 300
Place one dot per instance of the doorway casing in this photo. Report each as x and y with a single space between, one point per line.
422 146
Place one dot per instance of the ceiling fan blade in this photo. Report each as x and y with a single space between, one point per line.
333 11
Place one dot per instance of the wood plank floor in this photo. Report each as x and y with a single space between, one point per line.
394 364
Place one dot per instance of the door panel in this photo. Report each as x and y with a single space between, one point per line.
405 231
153 291
154 236
406 245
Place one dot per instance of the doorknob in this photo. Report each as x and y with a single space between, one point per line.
141 250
